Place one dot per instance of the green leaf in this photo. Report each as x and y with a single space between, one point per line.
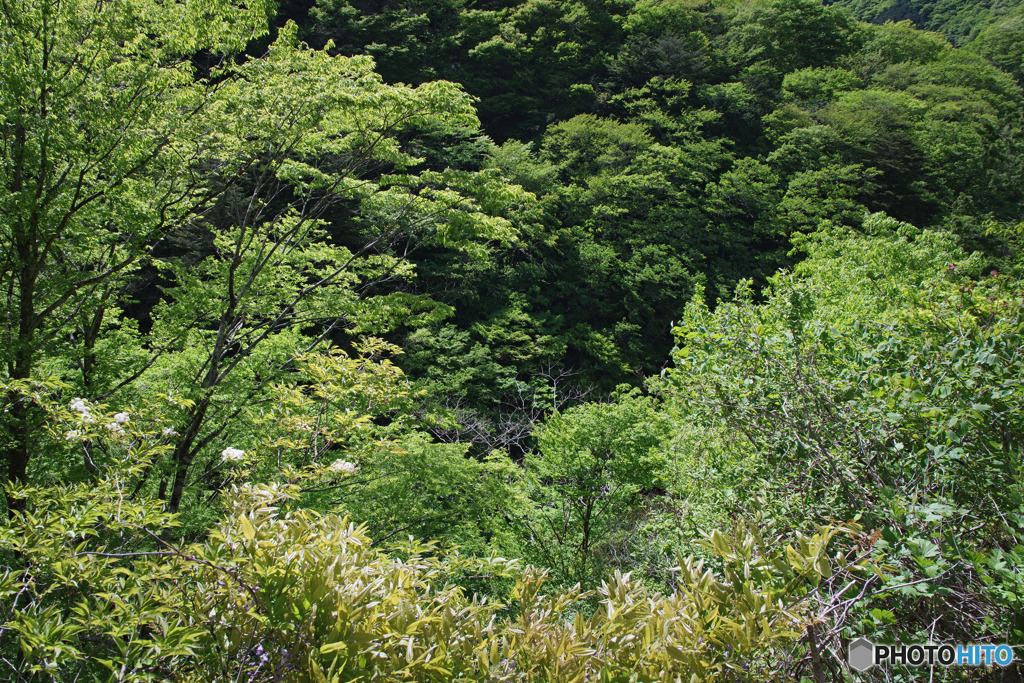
248 531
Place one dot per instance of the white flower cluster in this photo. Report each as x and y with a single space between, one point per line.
115 426
232 455
73 435
344 467
80 405
169 431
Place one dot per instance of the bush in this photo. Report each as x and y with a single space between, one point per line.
278 593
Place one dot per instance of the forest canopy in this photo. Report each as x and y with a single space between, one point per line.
556 340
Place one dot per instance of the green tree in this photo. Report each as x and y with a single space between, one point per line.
592 464
876 380
541 62
276 283
791 34
669 39
410 41
959 21
1002 43
246 163
106 137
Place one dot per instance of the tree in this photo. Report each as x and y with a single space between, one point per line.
277 282
878 379
245 159
931 132
412 41
670 39
540 62
791 34
101 136
1002 43
593 463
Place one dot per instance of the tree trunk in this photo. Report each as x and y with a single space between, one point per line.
18 422
184 453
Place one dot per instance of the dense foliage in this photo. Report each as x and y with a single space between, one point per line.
959 21
553 340
691 153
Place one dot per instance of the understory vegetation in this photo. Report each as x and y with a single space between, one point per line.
557 340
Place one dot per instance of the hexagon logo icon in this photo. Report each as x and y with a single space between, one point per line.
861 654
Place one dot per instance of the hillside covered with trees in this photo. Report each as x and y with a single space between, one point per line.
487 340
